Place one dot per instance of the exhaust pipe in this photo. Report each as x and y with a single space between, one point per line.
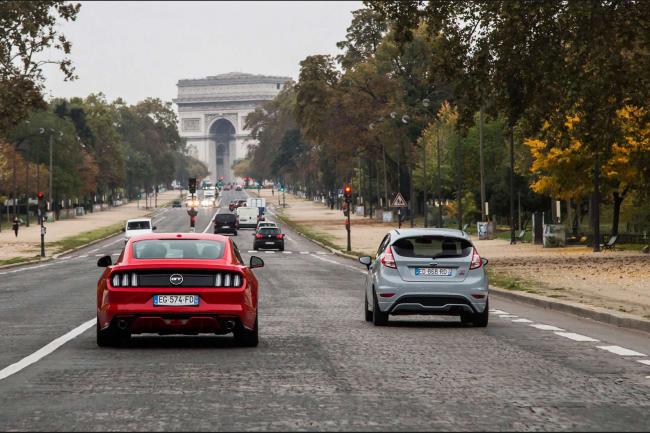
229 325
122 324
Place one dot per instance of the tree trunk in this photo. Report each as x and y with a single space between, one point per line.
618 200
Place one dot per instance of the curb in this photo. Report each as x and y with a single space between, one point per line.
595 313
72 250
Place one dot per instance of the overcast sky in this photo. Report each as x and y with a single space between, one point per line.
141 49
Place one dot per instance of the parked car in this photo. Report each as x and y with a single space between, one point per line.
426 271
226 223
178 283
268 237
137 226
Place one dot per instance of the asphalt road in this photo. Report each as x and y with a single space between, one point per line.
319 365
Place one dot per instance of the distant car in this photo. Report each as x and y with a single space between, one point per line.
247 216
261 224
232 205
177 203
268 237
238 188
178 283
241 203
226 223
137 226
226 187
426 271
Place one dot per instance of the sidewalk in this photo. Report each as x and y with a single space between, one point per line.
27 244
618 281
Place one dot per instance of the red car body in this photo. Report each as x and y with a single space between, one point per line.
221 309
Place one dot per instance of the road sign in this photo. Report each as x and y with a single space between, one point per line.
399 201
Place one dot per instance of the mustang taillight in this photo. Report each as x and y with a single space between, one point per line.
124 280
228 279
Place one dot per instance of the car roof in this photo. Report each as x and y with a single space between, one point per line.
138 220
432 231
174 236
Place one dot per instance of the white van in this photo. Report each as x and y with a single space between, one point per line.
247 216
137 226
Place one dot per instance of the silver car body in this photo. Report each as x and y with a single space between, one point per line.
465 291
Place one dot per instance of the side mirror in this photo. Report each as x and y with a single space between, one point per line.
256 262
104 261
153 228
123 229
485 261
365 260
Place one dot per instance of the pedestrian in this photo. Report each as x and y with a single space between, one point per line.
15 225
272 192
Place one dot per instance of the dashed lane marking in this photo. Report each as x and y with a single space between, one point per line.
507 316
115 254
269 252
304 252
546 327
498 312
644 361
83 256
99 255
46 350
575 337
287 252
522 321
618 350
337 263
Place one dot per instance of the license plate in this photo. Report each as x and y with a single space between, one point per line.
226 227
176 300
434 272
270 243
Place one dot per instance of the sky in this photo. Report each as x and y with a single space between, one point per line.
136 50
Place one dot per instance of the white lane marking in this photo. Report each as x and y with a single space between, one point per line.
322 253
287 252
252 251
575 337
83 256
46 350
115 254
546 327
498 312
340 264
2 273
269 252
94 250
621 351
507 316
304 252
644 361
99 255
211 220
522 321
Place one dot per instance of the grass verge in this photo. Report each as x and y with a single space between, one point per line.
15 260
86 237
508 282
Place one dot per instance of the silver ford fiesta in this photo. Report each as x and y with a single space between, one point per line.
426 271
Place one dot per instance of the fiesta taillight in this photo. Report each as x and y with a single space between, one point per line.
388 259
477 262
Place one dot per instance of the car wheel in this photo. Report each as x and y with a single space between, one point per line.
235 233
379 318
367 311
282 248
245 337
480 320
107 337
255 247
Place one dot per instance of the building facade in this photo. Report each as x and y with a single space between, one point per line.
212 113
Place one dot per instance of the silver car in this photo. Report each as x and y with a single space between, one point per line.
426 271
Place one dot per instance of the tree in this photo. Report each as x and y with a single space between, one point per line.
27 30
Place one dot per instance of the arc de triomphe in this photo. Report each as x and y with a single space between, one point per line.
212 113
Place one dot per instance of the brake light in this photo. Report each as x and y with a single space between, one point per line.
280 236
477 262
258 236
388 259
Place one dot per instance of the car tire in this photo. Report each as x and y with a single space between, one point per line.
255 247
379 318
281 248
247 337
368 313
479 320
107 337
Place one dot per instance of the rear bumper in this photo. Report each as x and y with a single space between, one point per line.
433 304
272 244
215 307
223 230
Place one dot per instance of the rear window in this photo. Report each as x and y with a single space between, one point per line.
138 225
224 217
178 249
432 247
269 231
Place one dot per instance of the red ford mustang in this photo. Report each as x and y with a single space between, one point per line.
177 283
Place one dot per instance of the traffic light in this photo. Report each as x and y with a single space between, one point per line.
192 186
347 192
42 203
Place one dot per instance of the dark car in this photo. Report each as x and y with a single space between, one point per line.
226 223
268 237
177 203
232 205
241 203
